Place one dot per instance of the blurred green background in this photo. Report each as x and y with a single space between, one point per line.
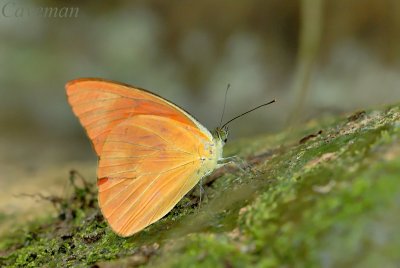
315 57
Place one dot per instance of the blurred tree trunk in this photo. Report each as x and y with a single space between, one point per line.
309 41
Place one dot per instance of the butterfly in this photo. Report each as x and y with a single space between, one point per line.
150 151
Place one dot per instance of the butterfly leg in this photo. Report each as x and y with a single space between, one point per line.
240 163
201 191
235 160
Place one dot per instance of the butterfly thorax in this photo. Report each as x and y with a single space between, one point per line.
209 154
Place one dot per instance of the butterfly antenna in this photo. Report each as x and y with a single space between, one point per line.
223 109
249 111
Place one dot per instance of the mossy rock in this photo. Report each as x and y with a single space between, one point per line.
326 194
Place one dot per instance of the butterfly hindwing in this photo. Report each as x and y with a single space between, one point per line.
144 171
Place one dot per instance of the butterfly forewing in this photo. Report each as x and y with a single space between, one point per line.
101 105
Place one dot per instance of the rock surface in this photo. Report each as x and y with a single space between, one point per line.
324 195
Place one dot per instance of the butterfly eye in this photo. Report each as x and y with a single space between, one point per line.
225 140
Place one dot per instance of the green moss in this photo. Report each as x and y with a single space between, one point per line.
330 200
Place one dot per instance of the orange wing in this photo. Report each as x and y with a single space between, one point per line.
151 152
147 165
100 105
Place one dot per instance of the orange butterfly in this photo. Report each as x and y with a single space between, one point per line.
151 152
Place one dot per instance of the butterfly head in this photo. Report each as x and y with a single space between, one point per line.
221 134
